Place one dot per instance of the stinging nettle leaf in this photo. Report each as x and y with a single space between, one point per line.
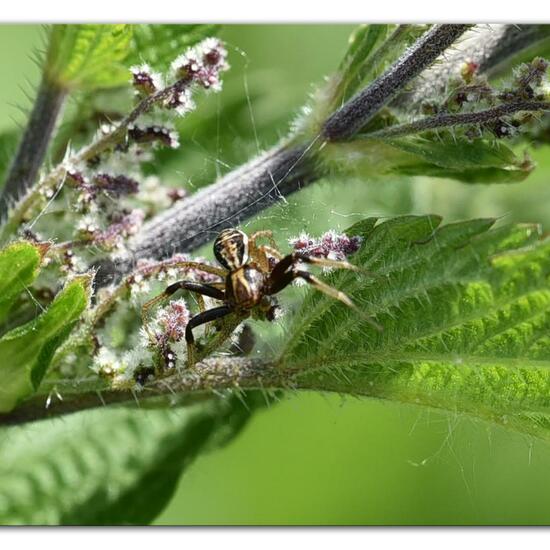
470 162
26 351
465 311
88 56
108 466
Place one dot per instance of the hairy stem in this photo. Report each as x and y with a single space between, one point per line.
457 119
261 182
23 172
211 374
345 122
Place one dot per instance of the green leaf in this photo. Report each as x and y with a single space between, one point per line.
470 162
26 351
88 56
159 45
111 466
19 267
465 311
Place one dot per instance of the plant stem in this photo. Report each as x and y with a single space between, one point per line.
345 122
457 119
213 373
30 155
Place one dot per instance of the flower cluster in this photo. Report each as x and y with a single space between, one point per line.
173 319
331 245
200 66
153 133
145 80
113 196
96 186
131 369
528 79
170 329
123 224
471 92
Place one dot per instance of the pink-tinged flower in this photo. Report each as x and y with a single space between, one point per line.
202 64
154 134
145 80
330 245
181 101
123 225
115 185
176 194
173 319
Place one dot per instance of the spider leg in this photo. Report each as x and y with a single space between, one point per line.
265 234
199 288
198 266
200 319
261 253
325 262
279 281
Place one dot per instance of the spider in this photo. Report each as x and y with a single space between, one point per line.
251 275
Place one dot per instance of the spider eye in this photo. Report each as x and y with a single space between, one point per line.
231 248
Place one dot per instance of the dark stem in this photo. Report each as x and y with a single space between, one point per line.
345 122
211 374
458 119
32 150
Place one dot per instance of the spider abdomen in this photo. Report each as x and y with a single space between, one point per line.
246 287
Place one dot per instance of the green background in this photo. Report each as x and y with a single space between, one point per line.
324 459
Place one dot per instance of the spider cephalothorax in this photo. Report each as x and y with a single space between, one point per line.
251 275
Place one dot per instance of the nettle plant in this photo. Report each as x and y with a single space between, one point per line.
454 316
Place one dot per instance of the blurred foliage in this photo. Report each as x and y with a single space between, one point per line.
88 56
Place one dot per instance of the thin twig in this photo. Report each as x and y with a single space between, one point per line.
459 119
